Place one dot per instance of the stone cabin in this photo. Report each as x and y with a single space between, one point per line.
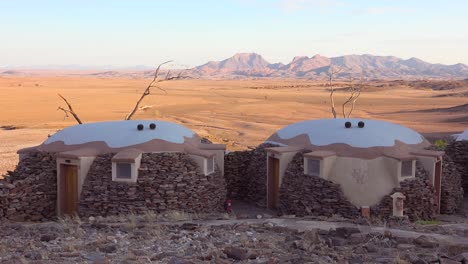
339 166
111 168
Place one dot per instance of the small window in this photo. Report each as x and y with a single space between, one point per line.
124 171
210 165
407 168
313 167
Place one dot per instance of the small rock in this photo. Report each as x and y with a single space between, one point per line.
357 239
139 252
339 242
190 226
236 253
93 256
371 248
48 237
108 248
405 246
426 242
346 232
384 260
33 255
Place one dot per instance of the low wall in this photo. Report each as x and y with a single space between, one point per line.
302 194
420 201
458 152
166 181
245 173
235 171
451 188
29 193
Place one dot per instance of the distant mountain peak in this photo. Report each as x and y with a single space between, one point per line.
375 67
298 58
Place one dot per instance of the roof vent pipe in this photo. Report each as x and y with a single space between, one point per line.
140 127
361 124
347 124
152 126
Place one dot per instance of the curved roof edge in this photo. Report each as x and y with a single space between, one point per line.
322 132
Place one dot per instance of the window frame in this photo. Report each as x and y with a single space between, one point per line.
307 169
208 161
403 167
133 172
119 169
202 162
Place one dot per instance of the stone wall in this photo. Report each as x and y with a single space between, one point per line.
302 194
420 201
235 172
29 193
458 152
166 181
245 173
451 188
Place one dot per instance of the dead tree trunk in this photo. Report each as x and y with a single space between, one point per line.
152 84
331 74
69 111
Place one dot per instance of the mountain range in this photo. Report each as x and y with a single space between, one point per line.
316 67
253 65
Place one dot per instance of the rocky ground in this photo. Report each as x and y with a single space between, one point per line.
147 239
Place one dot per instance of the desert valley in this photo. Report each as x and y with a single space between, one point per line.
239 111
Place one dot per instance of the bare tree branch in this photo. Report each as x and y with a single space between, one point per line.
356 97
333 70
355 93
351 96
153 84
69 111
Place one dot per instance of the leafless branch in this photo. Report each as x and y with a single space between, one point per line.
353 101
355 93
333 70
69 111
153 84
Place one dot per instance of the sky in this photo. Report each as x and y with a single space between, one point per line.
117 33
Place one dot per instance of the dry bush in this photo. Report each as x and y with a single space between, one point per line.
399 260
72 225
178 216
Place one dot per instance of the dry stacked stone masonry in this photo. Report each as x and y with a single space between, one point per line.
29 193
420 201
302 194
245 173
458 152
166 181
451 200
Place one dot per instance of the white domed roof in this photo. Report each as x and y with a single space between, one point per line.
117 134
463 136
322 132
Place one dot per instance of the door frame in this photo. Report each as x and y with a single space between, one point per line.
438 181
273 182
62 194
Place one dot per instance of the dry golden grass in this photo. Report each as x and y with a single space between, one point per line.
239 113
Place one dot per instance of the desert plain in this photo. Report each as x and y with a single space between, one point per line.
239 113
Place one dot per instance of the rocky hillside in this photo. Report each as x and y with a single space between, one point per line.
316 67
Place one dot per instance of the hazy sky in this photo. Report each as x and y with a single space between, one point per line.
140 32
